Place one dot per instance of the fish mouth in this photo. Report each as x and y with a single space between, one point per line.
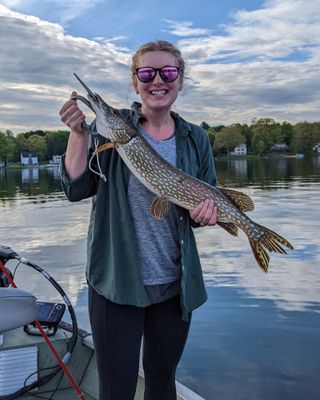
89 91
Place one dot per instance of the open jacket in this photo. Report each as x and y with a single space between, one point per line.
112 258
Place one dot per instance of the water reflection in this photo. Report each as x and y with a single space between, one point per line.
30 175
258 332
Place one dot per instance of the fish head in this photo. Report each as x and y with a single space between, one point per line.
109 121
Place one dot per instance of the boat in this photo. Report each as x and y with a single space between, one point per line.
26 360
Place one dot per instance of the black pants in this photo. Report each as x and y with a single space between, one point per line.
117 332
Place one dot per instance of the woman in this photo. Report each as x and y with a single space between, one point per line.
144 275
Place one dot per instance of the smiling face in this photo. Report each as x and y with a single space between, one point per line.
157 94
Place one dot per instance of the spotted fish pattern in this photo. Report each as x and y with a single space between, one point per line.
172 185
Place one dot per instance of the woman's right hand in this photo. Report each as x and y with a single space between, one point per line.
72 116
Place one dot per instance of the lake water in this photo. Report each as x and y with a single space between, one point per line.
258 335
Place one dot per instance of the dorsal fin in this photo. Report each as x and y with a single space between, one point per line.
239 199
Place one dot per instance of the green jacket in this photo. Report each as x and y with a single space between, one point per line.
112 262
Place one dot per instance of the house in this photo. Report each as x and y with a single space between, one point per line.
280 147
316 148
56 158
240 150
28 158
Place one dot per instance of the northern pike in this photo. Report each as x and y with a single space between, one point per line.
172 185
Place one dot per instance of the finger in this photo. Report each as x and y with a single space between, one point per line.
204 209
213 217
206 212
68 103
194 214
71 111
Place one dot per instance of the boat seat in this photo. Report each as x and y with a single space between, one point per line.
18 308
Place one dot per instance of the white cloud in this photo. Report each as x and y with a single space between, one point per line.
37 64
64 11
266 63
185 28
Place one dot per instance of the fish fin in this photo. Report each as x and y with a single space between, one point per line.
268 241
229 227
239 199
260 254
160 207
106 146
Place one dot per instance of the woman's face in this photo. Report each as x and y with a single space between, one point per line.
158 94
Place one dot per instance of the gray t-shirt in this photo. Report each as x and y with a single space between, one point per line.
158 240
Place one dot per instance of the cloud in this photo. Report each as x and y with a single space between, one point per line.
62 11
264 63
185 28
37 63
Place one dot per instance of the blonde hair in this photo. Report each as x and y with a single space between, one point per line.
157 45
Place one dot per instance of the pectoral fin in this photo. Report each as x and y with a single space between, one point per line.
160 207
109 145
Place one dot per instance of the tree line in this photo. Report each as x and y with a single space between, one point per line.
44 144
259 137
262 135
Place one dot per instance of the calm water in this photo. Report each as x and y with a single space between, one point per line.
257 337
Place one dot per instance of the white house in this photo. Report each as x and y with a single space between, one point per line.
316 148
56 158
240 150
280 147
28 159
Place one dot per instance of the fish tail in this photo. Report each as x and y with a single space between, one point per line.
269 241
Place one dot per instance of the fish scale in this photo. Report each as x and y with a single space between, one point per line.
172 185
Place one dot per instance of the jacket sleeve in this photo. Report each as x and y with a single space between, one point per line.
85 185
82 187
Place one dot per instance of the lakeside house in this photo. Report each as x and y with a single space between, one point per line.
316 148
240 150
56 158
28 159
280 147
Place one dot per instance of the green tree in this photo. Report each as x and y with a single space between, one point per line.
228 138
287 133
204 125
268 131
37 145
56 142
212 135
3 147
7 146
305 137
258 145
21 142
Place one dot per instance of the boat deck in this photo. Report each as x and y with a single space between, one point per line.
82 367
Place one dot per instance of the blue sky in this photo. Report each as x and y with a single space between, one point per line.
245 59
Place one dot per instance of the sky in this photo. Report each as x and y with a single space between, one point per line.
245 59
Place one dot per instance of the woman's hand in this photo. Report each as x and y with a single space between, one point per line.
205 213
72 116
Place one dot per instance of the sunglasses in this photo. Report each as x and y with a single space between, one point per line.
167 73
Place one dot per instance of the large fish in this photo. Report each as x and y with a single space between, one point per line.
175 186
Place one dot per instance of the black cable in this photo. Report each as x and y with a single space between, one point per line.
70 343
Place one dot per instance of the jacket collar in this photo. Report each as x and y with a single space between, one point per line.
183 127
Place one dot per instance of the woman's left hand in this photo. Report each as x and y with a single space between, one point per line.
205 213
